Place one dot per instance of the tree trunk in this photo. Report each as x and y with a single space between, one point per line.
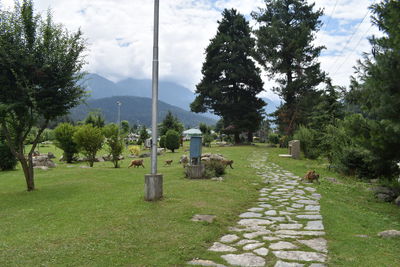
27 167
237 138
250 137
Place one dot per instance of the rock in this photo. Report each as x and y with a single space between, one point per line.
397 201
85 167
292 226
287 264
389 233
282 245
245 241
293 232
318 244
314 225
219 247
145 155
300 256
229 238
204 263
271 212
62 158
362 236
253 246
309 217
250 215
312 208
261 251
256 234
332 180
245 259
50 155
384 197
99 159
219 179
41 167
255 209
253 222
203 218
43 161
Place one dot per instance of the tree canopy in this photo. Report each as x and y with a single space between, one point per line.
40 66
285 49
231 81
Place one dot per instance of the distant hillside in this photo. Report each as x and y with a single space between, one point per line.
136 110
169 92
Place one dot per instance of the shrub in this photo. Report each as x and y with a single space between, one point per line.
63 135
134 150
273 138
172 140
207 139
308 142
162 141
356 161
214 168
114 142
7 159
89 140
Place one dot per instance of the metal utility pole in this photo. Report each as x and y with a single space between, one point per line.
154 181
119 115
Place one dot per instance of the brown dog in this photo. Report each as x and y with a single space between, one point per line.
136 163
311 176
168 162
227 163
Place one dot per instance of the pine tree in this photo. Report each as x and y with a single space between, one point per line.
231 81
284 48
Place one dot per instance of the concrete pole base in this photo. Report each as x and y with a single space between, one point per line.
153 187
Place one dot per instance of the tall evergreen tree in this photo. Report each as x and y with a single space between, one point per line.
376 90
231 81
170 122
284 48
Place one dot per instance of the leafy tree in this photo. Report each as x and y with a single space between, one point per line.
172 140
170 122
285 49
143 135
7 159
40 66
204 128
89 140
114 142
231 81
95 118
125 128
162 141
64 140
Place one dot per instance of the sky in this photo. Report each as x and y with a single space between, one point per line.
119 35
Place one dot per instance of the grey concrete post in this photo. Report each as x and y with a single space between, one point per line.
153 187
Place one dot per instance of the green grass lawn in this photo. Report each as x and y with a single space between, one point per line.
350 209
97 217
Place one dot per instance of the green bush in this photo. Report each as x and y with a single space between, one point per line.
63 135
356 161
89 140
172 140
308 142
214 168
207 139
7 159
162 141
114 142
273 138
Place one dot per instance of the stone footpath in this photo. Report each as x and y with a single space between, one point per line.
283 229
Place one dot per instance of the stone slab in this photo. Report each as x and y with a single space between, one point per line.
219 247
245 259
300 256
282 245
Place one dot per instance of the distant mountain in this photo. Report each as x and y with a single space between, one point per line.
272 105
168 92
136 110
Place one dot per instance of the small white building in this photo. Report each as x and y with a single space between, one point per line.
191 132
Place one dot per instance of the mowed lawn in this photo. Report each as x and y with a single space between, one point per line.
97 217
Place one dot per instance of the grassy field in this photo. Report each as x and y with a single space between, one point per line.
349 209
97 217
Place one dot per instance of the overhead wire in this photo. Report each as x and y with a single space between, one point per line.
330 17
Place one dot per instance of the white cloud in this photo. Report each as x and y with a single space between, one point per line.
120 35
